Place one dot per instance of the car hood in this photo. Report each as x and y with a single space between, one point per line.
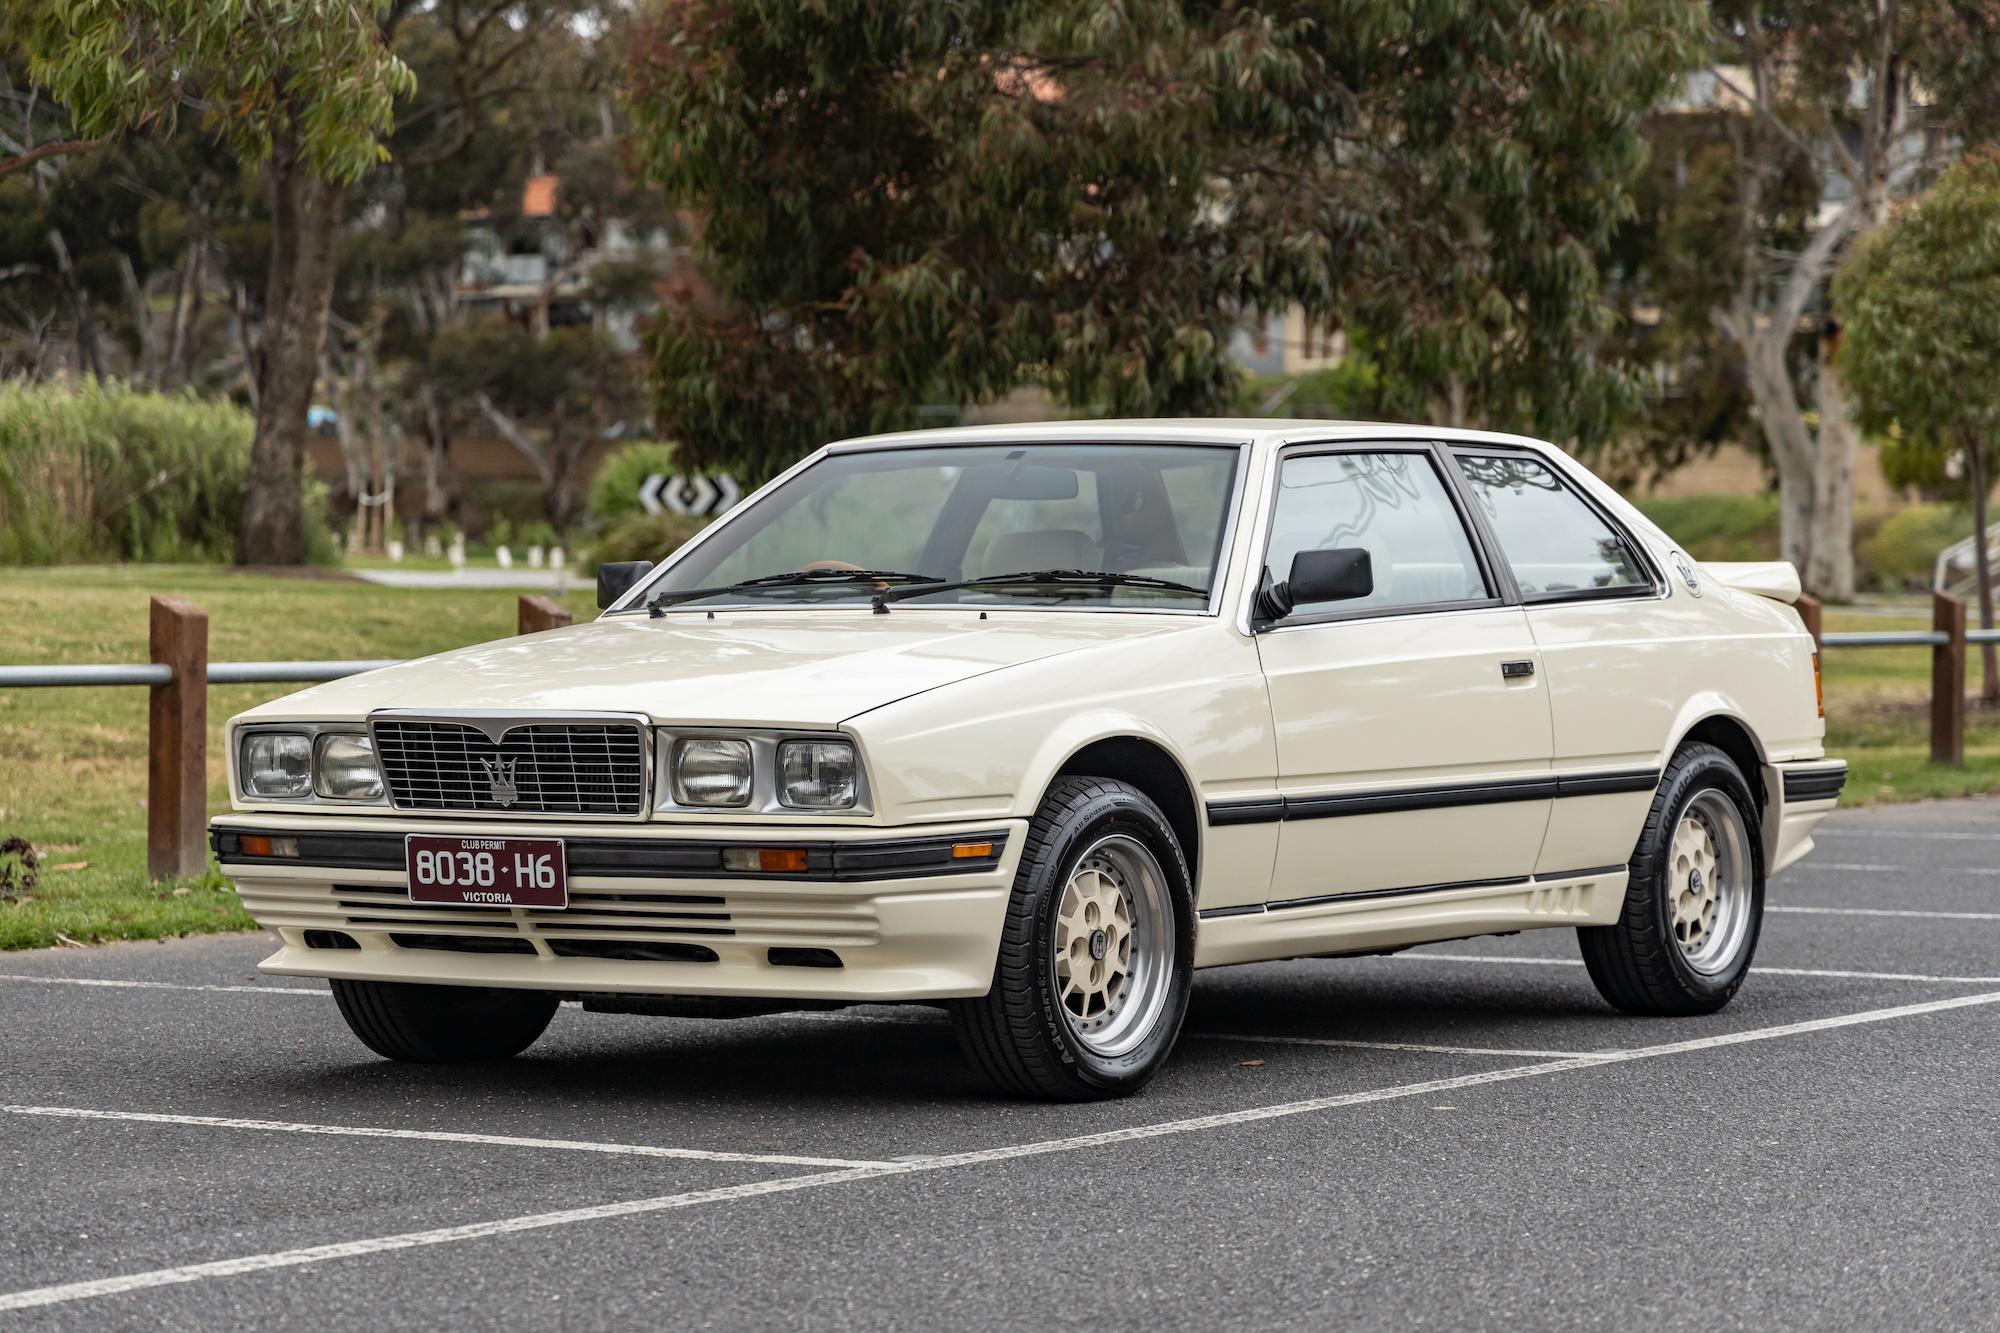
792 669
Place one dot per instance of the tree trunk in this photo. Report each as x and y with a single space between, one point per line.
185 296
142 319
1828 572
440 478
88 350
1989 685
305 238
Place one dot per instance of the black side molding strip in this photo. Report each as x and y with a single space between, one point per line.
1269 809
1392 893
1252 909
1814 784
644 858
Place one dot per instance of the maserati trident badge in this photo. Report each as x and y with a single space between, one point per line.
500 779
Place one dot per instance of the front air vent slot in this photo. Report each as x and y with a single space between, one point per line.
463 943
633 951
546 768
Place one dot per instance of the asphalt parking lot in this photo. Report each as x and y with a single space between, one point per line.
1462 1136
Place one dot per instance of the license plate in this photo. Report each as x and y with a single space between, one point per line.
486 872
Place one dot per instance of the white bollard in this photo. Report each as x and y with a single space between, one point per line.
457 553
506 558
395 550
556 558
534 557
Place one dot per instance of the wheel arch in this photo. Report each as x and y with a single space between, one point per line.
1148 765
1729 733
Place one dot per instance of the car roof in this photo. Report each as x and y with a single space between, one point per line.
1172 430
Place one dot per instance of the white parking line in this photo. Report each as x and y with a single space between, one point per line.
254 1263
433 1136
1755 970
1885 911
162 985
1386 1045
1905 870
1903 833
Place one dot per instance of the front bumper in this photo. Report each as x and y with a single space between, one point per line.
879 915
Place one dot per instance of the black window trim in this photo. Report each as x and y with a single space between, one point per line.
1655 589
1498 578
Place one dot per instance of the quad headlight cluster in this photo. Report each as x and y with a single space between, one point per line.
298 765
726 772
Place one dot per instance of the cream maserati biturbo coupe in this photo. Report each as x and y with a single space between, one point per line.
1030 723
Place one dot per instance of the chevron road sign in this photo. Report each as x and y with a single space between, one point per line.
695 495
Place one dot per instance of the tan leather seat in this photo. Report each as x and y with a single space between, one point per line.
1053 548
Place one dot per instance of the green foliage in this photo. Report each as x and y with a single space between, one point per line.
1904 549
1920 305
643 536
614 491
104 473
903 204
1719 527
313 77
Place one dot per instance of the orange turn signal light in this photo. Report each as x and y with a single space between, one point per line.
962 850
1819 691
259 844
766 860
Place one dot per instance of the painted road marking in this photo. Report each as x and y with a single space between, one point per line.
1388 1045
1888 833
432 1136
1884 911
163 985
254 1263
1756 970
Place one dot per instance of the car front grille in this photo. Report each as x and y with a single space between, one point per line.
546 768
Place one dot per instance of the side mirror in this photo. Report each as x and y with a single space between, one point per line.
1337 575
615 579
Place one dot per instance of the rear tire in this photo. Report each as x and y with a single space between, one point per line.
1694 902
1097 954
444 1025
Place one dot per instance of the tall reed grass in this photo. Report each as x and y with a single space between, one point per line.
94 472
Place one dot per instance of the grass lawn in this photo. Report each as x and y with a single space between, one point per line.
1878 718
73 761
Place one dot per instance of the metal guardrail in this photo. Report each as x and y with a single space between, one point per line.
1914 638
160 673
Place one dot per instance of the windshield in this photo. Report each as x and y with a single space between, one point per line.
1129 513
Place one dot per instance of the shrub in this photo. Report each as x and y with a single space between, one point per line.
1903 550
1720 527
614 491
642 536
94 472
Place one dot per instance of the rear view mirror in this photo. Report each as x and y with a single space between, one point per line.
1337 575
1019 481
615 579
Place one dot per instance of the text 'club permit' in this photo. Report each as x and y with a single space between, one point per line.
487 872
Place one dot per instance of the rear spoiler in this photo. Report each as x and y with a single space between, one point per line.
1775 579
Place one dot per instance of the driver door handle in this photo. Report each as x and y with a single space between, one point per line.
1511 670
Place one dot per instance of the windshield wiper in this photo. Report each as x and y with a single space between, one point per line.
1069 578
797 578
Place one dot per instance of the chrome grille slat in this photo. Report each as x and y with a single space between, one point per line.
557 768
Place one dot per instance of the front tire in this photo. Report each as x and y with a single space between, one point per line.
444 1025
1694 903
1097 954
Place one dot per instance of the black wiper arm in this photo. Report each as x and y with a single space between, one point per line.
797 578
1038 578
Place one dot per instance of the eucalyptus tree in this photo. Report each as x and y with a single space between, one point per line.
900 203
1919 303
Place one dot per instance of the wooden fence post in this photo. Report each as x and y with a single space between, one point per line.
177 743
1948 681
538 613
1808 607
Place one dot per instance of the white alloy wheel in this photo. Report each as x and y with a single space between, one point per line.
1708 882
1112 963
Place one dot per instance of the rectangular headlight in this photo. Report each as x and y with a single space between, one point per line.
711 772
818 775
344 768
275 764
